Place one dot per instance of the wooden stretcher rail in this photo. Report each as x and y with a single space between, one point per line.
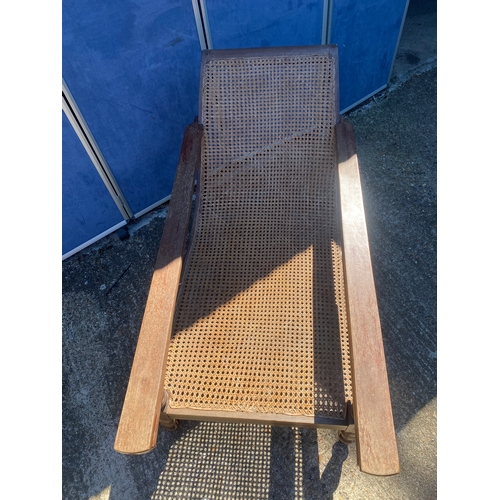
258 418
375 434
138 427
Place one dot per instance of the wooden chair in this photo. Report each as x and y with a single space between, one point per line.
271 316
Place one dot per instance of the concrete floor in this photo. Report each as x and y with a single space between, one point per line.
105 289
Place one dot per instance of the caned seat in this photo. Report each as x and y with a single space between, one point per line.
254 322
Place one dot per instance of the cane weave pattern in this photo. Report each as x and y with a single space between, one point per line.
260 322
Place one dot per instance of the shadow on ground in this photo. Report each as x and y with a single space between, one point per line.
226 460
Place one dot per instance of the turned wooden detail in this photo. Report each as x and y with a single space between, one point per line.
166 421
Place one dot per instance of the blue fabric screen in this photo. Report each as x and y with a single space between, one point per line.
87 207
133 69
367 34
262 23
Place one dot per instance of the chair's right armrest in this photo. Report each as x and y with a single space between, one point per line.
375 435
138 427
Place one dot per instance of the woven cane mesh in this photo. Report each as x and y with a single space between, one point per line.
260 322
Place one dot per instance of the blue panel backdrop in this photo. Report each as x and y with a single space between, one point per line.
133 69
262 23
88 209
367 34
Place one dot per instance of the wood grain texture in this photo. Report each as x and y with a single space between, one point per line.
138 427
375 434
257 418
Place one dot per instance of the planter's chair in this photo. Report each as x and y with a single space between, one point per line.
271 315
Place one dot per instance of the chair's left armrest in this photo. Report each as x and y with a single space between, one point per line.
138 427
375 435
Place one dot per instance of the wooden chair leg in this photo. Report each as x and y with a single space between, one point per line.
347 436
166 421
169 423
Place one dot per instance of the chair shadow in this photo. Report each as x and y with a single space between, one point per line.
248 462
330 478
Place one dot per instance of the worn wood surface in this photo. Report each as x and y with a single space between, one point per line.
375 434
257 418
138 427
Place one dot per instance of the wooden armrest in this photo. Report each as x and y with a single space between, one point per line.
375 435
138 427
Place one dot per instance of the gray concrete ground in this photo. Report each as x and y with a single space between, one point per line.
104 293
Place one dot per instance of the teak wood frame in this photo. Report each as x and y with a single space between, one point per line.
146 400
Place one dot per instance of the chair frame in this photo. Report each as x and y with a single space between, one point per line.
370 418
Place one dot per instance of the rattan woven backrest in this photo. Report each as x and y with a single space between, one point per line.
251 99
260 322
